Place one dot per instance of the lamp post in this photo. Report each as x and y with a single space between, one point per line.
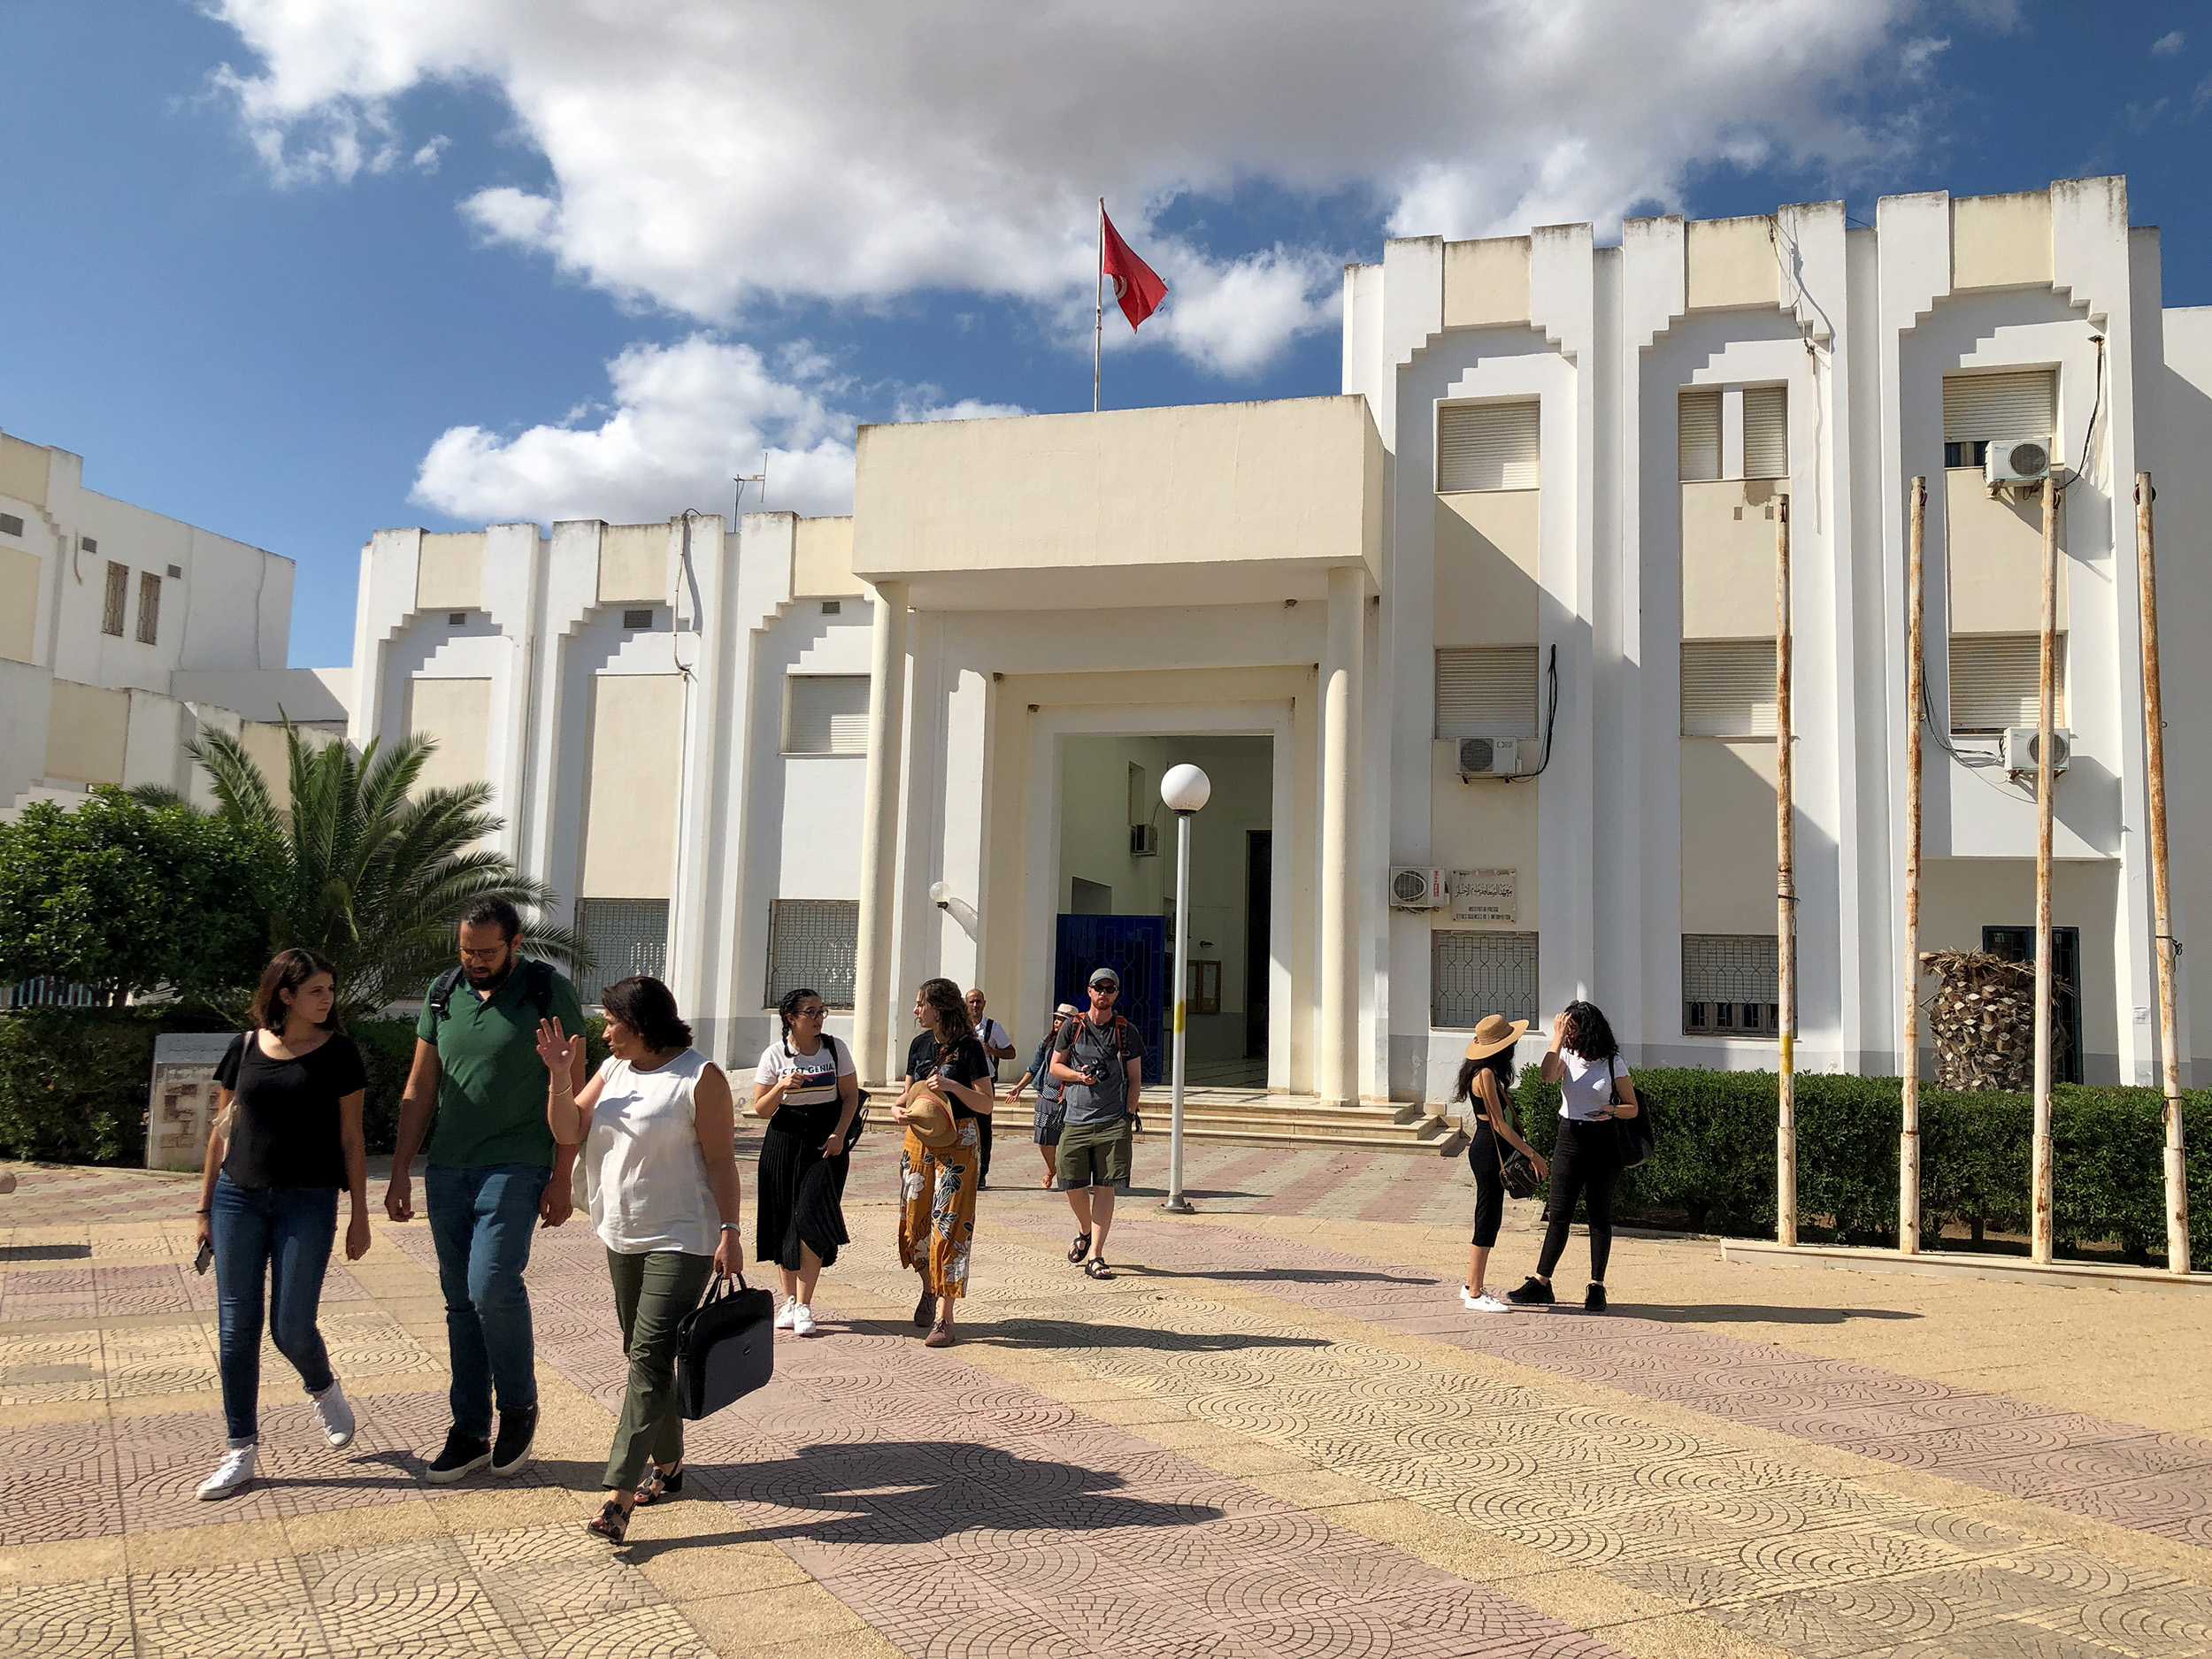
1183 791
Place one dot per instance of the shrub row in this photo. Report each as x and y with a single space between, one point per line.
74 1082
1714 1166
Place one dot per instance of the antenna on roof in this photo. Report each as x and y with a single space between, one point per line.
743 479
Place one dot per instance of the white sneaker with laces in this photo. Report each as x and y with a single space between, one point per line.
802 1319
1488 1303
235 1471
1466 1297
334 1415
786 1313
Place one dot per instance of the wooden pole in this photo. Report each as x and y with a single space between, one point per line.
2161 901
2040 1236
1915 703
1786 891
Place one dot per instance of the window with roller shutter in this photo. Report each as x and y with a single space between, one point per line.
1728 688
1701 437
1976 407
1486 446
1485 691
1766 432
826 714
1996 682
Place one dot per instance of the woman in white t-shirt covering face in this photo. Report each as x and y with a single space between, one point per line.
658 1131
808 1089
1595 1091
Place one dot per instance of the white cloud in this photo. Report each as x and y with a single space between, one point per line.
2168 45
684 420
705 156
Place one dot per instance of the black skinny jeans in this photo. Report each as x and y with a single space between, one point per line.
1585 1164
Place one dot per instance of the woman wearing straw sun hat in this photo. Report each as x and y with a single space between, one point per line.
1484 1077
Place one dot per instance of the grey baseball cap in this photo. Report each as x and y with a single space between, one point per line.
1106 976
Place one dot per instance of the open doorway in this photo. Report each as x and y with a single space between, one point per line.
1117 838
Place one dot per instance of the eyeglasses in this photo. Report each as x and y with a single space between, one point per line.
812 1010
1105 990
491 954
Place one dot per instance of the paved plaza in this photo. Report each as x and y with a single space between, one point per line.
1275 1433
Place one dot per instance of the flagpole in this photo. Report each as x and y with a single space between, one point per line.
1098 319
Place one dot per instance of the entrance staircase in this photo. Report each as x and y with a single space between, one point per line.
1256 1117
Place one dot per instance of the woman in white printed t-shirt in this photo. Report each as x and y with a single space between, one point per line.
1594 1090
658 1131
807 1088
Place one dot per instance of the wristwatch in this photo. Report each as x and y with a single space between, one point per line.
732 1226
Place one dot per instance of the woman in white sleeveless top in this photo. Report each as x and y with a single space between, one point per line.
658 1133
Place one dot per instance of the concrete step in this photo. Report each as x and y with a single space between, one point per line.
1295 1121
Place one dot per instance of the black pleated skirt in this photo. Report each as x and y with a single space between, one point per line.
798 1198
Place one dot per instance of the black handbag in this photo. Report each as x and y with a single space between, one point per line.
1517 1174
725 1347
1633 1137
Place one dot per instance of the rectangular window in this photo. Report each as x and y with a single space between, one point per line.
9 525
1766 432
1979 407
1476 973
149 607
1728 688
1486 446
1485 691
117 598
1996 682
811 944
626 936
1701 435
1730 985
826 714
640 618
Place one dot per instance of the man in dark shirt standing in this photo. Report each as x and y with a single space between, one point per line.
494 1171
1099 1059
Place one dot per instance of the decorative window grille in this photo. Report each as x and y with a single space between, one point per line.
149 607
1996 679
1979 407
626 936
1486 446
116 601
1728 688
1766 432
826 714
1485 691
1476 973
1701 435
812 942
1730 985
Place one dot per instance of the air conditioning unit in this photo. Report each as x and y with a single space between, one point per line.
1417 889
1489 756
2017 461
2019 748
1144 841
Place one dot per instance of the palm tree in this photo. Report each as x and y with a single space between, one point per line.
366 869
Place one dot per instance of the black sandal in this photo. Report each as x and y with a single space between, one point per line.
662 1484
1081 1249
613 1524
1096 1268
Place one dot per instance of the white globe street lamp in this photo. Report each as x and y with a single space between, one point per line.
1183 792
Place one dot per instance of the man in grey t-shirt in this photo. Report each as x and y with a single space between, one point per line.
1099 1060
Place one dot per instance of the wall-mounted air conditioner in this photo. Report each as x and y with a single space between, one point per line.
2019 748
1489 756
2017 461
1144 841
1412 888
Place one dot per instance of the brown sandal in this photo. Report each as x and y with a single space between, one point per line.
940 1335
613 1524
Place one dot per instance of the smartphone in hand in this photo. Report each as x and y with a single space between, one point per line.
206 1255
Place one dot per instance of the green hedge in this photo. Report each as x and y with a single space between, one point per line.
74 1082
1714 1168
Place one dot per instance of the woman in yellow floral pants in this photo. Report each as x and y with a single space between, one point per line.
937 1188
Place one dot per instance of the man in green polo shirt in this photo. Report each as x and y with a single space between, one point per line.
495 1172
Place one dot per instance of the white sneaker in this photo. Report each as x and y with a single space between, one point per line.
1466 1297
787 1313
1488 1303
334 1415
235 1471
802 1319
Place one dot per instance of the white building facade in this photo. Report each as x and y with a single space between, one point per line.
1502 610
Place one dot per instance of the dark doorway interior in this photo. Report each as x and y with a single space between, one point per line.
1259 889
2017 944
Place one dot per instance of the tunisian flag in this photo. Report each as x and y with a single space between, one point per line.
1136 287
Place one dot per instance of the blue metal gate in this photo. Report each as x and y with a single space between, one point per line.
1135 948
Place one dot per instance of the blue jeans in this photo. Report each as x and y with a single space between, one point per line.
482 1220
280 1238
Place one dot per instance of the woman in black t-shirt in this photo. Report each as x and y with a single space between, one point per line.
287 1138
937 1188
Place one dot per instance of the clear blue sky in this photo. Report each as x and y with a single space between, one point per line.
272 351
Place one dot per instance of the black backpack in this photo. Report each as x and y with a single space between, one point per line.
537 980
